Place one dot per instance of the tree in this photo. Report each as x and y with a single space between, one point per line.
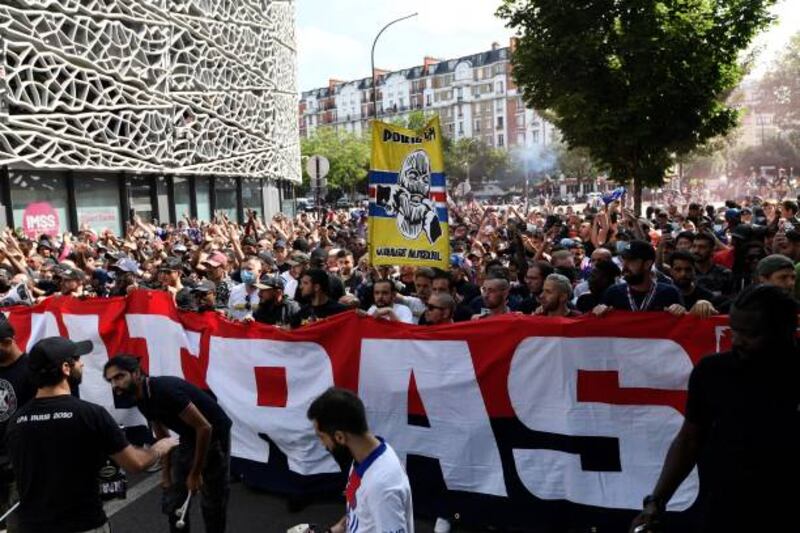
776 151
635 82
347 153
475 160
779 90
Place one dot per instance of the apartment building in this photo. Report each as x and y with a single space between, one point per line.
474 95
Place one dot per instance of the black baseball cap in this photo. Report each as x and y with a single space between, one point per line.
6 329
205 286
639 250
269 282
52 352
171 263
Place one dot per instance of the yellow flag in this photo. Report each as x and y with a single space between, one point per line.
408 197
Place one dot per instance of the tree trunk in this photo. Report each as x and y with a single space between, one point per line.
637 195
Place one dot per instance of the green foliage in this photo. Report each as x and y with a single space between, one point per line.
776 151
635 82
415 120
575 162
347 153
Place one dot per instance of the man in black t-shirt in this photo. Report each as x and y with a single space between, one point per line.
58 443
697 300
640 292
742 425
16 389
202 460
315 287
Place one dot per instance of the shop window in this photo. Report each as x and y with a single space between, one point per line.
97 200
39 202
225 194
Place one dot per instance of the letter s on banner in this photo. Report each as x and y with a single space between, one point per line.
305 372
542 385
460 435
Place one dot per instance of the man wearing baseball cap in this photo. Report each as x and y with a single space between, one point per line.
58 443
640 292
16 389
216 266
274 306
777 270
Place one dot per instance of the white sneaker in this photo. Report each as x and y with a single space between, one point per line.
442 526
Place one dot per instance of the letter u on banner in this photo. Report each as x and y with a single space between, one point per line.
408 196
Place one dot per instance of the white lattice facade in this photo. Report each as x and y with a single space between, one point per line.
176 87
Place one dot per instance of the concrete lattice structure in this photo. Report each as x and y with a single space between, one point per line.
178 87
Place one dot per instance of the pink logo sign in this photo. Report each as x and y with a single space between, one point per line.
40 218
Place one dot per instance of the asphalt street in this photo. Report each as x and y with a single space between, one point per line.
249 511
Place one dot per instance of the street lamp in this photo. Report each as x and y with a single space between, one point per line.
374 84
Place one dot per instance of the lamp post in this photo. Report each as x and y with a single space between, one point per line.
374 84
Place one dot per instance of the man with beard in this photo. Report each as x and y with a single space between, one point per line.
495 298
351 278
315 289
534 281
378 491
710 276
742 426
384 293
639 292
777 270
555 297
274 307
201 462
58 444
696 299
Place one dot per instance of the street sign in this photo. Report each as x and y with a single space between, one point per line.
319 184
317 167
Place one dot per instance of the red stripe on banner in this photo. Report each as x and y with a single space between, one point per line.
603 387
436 196
273 391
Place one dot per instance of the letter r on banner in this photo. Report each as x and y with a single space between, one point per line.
448 388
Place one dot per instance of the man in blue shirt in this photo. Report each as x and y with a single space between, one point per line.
640 292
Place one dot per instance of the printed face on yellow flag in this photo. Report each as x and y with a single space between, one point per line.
408 222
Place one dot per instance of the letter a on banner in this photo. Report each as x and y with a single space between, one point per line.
408 197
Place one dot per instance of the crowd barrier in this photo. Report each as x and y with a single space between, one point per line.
539 422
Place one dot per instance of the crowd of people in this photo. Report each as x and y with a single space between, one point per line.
735 258
290 271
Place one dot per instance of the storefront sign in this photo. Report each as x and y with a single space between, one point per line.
40 218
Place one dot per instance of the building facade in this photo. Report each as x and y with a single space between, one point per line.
474 95
165 107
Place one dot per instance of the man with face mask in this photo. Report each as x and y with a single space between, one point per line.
274 307
604 274
742 426
202 460
640 292
58 444
243 298
378 491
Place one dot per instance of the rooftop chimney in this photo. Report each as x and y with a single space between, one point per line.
495 45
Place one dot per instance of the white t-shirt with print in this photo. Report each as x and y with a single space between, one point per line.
379 495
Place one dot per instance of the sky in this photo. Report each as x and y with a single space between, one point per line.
334 37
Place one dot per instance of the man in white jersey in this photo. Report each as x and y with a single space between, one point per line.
378 492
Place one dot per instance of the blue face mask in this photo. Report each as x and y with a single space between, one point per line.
247 277
622 246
